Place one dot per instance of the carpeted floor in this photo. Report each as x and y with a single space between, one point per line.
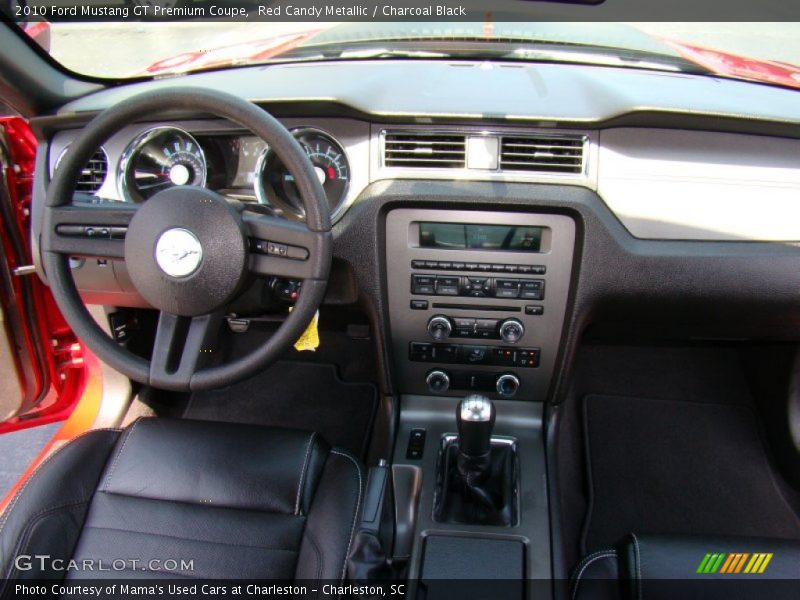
307 396
18 449
666 466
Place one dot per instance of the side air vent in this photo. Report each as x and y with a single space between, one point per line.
426 150
542 153
93 175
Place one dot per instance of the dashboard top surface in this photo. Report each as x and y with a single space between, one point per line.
545 94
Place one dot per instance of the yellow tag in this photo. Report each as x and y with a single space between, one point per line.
310 338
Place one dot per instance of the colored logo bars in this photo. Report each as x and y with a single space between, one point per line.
736 562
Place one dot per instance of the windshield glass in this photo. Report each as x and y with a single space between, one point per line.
767 52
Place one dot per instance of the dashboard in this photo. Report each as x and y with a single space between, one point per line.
646 200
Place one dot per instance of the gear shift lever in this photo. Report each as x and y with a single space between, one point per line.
477 481
475 418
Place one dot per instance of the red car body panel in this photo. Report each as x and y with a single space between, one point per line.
58 383
242 53
734 65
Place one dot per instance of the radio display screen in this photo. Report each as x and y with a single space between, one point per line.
469 236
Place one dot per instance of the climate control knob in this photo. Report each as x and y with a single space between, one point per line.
439 327
511 331
507 385
438 381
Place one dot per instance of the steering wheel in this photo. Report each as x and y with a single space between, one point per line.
188 251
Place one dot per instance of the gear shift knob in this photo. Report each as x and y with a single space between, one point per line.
475 418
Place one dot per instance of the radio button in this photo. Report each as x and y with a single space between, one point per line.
489 325
457 266
467 325
511 331
419 305
533 290
422 284
471 266
417 264
439 328
447 286
534 309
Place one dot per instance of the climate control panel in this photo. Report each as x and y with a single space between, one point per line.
440 381
442 327
477 300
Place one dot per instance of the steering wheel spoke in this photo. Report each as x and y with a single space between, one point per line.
283 248
97 231
182 346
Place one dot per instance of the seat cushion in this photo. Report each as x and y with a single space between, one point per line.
654 567
220 500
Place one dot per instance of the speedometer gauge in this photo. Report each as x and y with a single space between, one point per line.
158 159
276 186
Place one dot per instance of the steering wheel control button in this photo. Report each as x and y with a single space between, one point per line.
178 252
274 249
186 251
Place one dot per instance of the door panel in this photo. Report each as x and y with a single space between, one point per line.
46 357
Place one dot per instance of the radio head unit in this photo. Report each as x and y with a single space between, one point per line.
475 236
477 299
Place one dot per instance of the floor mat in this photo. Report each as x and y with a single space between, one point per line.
659 466
18 449
298 395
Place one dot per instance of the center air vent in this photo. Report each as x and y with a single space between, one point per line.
426 150
93 175
542 153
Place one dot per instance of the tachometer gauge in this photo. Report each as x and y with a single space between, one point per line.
276 186
158 159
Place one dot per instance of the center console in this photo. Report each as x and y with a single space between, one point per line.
477 303
477 300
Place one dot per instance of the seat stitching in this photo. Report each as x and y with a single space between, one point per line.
638 566
320 561
585 565
23 538
119 454
303 473
189 539
36 471
358 506
200 504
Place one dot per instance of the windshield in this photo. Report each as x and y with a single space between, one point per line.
129 48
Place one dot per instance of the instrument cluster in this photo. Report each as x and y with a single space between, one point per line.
237 166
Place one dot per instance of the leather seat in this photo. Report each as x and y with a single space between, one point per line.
654 567
239 501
